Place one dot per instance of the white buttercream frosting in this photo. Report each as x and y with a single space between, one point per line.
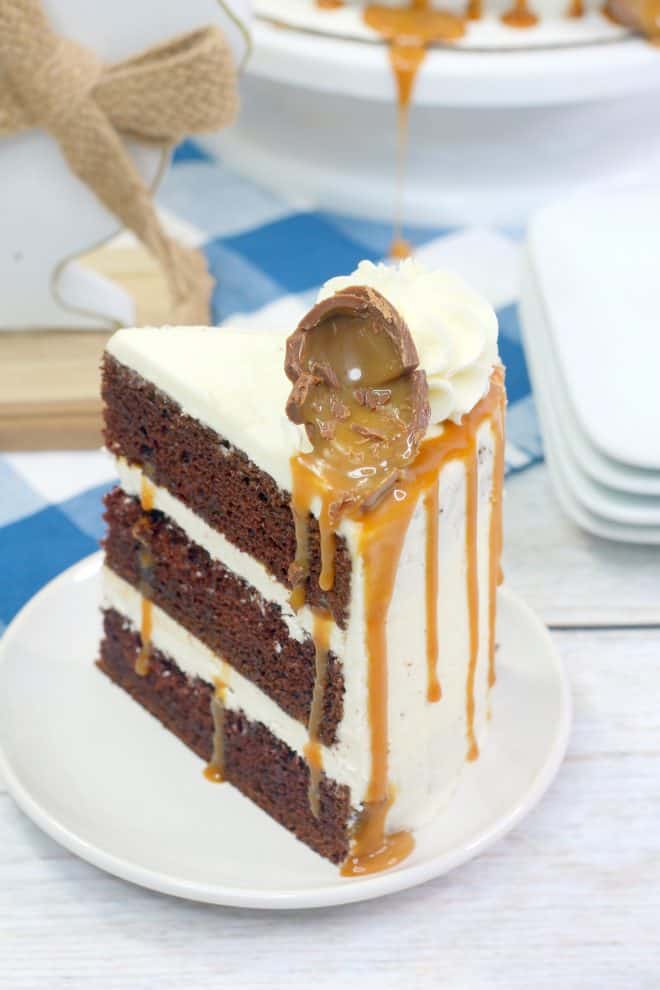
454 329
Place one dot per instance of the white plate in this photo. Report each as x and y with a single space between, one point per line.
627 504
604 470
570 483
101 777
596 465
595 264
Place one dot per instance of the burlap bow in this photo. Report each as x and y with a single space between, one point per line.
184 86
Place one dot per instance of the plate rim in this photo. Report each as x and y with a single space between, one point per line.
369 888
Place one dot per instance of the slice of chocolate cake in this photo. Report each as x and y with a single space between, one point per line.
301 571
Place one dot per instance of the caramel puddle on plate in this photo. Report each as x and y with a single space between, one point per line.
432 509
383 533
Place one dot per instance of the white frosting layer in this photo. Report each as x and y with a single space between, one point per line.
230 380
454 329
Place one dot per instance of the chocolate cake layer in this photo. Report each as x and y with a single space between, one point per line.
215 480
261 766
154 555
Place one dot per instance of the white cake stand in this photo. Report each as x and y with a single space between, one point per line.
494 131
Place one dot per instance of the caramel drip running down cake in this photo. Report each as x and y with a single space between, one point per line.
302 555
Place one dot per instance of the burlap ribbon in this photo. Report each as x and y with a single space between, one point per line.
184 86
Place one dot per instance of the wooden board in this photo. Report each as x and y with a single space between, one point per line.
49 379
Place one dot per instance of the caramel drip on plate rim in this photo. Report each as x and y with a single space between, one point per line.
327 534
322 629
432 509
215 771
382 534
147 493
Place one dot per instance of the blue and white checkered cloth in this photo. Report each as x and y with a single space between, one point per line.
269 258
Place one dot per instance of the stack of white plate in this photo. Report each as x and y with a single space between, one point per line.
590 312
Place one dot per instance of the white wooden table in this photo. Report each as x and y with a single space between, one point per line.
571 899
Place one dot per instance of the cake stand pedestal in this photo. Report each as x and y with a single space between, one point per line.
493 134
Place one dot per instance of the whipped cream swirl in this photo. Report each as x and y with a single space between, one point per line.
454 329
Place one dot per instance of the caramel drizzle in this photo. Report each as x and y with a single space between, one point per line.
382 536
307 485
215 771
322 628
373 850
520 15
458 441
432 508
495 541
142 662
575 9
472 577
408 32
